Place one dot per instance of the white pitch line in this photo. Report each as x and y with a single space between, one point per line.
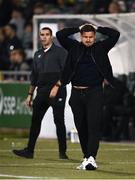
40 150
37 164
26 177
107 149
53 178
73 150
59 163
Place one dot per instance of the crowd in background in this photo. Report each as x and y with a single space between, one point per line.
16 23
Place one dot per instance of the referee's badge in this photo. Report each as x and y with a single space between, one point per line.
60 99
39 55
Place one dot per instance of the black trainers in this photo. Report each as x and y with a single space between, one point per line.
63 156
24 153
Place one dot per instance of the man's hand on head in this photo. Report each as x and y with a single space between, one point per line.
95 27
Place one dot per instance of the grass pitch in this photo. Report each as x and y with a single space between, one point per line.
115 161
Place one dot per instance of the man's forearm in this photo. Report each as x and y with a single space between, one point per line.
65 40
31 90
108 31
67 32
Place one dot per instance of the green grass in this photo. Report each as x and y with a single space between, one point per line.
115 161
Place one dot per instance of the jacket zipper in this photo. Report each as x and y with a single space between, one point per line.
93 59
75 67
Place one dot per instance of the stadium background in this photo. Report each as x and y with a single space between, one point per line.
28 17
20 21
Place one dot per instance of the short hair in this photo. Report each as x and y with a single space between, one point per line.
19 51
47 28
87 28
12 26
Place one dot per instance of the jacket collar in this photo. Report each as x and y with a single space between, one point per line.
50 48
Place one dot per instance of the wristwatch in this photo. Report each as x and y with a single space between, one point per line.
58 84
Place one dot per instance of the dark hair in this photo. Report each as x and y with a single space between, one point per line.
12 26
87 28
47 28
19 51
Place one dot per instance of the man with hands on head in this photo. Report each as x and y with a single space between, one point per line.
87 67
48 64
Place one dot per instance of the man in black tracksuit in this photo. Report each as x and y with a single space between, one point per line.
47 66
87 67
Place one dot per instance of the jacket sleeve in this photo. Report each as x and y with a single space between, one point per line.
34 74
67 72
112 37
62 58
65 40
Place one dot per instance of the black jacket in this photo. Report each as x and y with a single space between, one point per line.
47 66
99 52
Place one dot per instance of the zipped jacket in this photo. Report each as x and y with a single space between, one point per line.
47 66
98 51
